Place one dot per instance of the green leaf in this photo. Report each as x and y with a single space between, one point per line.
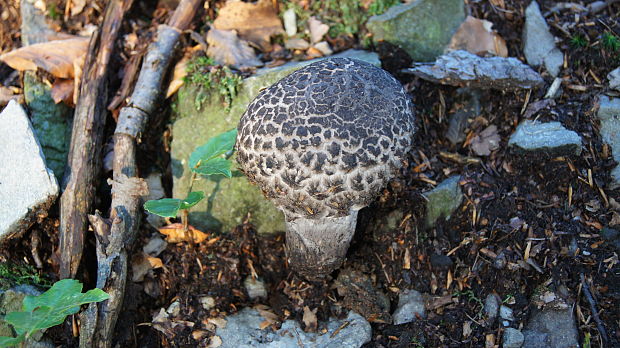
216 146
165 207
52 307
214 166
6 342
192 199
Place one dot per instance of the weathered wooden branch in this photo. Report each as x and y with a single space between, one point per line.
114 240
84 160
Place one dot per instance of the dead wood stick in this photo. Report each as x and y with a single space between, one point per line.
599 323
114 241
84 160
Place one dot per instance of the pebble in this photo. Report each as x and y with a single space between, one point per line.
441 262
609 116
512 338
444 199
255 287
614 79
552 137
538 42
506 313
207 302
290 22
491 307
410 306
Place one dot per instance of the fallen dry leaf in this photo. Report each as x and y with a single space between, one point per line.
56 57
309 319
175 233
180 71
317 29
141 264
476 36
486 141
227 49
254 22
62 91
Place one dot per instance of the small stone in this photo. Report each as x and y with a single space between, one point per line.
612 236
296 44
552 137
461 68
410 307
539 44
491 307
155 246
255 288
28 188
609 116
440 262
323 46
207 302
505 313
243 330
290 22
614 79
443 200
513 338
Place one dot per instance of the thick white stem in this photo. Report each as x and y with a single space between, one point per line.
316 247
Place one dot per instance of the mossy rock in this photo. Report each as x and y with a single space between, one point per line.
229 200
423 28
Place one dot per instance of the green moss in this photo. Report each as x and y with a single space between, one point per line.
579 41
209 77
14 274
610 42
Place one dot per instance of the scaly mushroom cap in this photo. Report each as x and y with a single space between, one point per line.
321 143
327 138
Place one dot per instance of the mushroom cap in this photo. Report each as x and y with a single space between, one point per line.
327 138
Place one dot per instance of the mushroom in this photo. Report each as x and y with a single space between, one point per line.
322 143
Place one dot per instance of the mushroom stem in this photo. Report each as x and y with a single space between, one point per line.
316 247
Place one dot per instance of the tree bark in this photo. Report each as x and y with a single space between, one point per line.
83 166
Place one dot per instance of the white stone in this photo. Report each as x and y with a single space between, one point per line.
27 187
290 22
538 43
255 287
410 307
609 115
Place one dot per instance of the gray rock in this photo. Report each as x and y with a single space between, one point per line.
614 79
443 200
243 331
512 338
535 339
609 116
539 45
551 137
410 306
491 307
423 28
230 199
461 68
612 236
552 322
255 287
440 262
27 187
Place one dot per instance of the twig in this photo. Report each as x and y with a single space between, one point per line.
592 302
114 244
86 140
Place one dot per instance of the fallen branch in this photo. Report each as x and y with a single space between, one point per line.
592 302
114 240
84 160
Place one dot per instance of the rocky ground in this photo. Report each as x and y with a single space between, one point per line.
502 229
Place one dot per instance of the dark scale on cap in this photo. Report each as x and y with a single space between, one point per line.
329 137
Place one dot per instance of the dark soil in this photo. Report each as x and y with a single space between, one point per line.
546 208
